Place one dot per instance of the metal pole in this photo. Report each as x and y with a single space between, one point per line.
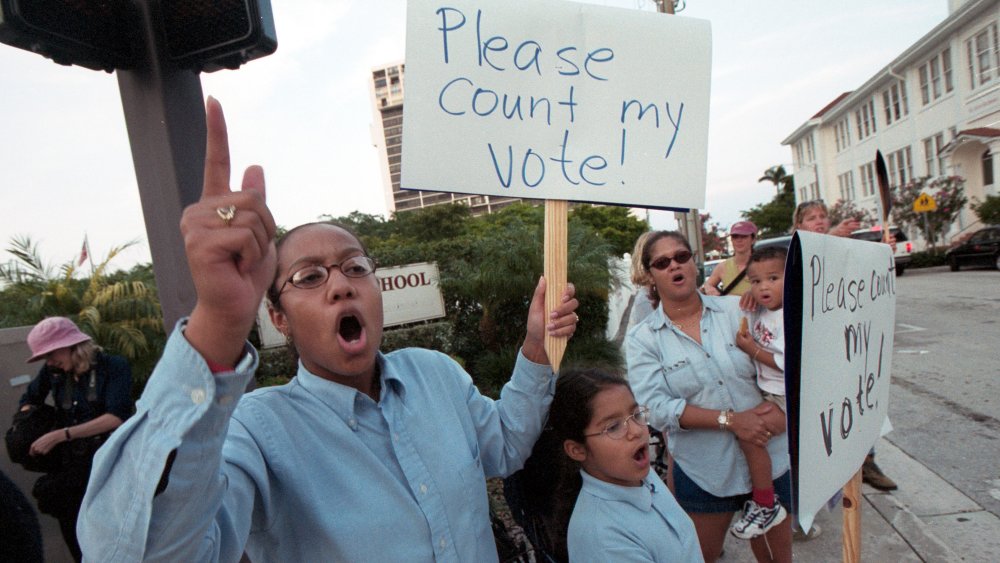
165 117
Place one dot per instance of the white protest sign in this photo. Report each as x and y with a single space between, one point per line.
840 312
410 294
552 99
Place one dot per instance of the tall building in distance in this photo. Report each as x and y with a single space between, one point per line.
387 134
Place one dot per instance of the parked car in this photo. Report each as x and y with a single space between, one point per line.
904 248
782 241
981 249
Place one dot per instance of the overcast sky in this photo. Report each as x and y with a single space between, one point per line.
304 113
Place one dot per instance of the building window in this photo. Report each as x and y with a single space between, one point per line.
843 134
865 119
900 167
867 173
805 151
935 77
987 168
894 100
932 160
981 51
846 184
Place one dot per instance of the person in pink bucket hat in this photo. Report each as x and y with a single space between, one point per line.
91 391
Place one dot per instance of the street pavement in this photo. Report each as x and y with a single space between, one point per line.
926 519
944 408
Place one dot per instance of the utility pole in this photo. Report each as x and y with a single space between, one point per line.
689 223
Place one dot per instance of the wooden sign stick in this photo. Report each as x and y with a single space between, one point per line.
555 271
851 541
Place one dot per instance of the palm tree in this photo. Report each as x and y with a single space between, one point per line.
777 176
121 314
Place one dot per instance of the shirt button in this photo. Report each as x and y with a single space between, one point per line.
353 423
423 489
443 543
395 437
198 396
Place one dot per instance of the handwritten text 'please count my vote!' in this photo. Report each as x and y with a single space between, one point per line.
461 95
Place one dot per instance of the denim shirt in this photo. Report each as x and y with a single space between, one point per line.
668 370
615 523
311 470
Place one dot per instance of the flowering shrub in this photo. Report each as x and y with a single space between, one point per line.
847 210
949 194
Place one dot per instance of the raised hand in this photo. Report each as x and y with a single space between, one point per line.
229 242
561 322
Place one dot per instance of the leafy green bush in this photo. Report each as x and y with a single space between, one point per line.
927 259
435 336
988 210
277 367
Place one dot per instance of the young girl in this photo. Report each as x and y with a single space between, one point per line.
623 511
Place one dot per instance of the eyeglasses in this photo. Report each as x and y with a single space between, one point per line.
315 275
662 263
617 429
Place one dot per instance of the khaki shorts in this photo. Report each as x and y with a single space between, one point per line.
776 399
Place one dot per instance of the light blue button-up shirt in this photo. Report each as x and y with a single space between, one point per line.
311 470
668 370
615 523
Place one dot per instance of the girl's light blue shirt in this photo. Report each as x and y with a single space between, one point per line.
311 470
615 523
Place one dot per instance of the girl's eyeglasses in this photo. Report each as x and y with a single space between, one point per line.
316 275
617 429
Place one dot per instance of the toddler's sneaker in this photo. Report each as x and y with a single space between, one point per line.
757 519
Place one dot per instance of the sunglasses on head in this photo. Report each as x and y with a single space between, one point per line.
662 263
810 203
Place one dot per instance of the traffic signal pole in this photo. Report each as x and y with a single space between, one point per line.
160 90
165 116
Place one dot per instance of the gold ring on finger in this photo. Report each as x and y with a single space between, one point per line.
226 213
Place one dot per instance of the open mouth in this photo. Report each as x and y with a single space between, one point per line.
350 328
641 455
679 277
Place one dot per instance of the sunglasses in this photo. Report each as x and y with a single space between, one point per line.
662 263
810 203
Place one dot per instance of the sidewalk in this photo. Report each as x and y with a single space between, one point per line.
926 519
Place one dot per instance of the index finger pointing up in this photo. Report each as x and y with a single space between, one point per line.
216 151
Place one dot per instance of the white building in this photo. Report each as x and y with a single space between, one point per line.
933 110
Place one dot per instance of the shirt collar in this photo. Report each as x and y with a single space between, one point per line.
640 497
343 399
659 318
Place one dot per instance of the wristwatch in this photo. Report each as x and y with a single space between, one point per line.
725 419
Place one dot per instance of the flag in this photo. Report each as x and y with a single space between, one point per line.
84 252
